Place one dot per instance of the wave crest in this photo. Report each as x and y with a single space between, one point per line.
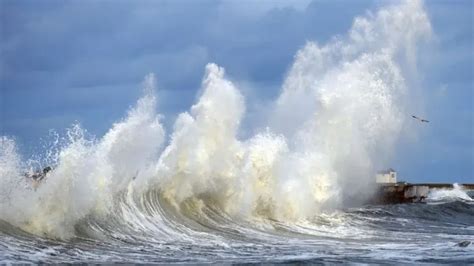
339 114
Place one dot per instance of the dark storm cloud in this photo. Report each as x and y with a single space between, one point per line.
63 55
67 61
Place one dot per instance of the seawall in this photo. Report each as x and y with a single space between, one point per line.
408 193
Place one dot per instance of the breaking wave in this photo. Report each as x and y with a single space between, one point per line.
448 195
339 114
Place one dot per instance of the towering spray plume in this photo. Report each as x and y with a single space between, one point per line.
339 113
350 94
88 174
203 153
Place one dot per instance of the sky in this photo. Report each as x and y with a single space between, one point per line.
65 62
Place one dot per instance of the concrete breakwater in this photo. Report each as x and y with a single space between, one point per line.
408 193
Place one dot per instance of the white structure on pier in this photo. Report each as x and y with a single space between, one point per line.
386 177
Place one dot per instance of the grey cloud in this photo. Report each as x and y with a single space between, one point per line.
86 59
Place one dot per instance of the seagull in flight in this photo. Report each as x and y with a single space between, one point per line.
420 119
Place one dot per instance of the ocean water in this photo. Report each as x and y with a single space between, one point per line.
144 230
292 191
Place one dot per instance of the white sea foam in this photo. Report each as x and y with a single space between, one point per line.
340 111
448 195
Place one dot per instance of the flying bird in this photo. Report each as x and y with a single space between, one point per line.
420 119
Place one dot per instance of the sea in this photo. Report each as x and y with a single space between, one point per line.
237 179
147 230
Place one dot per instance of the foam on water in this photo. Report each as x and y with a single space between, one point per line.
340 111
448 195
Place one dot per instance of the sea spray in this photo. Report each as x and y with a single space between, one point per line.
10 165
204 154
340 111
88 174
448 195
345 101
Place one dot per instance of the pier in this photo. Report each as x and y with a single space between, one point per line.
408 193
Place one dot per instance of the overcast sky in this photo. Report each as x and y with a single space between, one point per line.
63 62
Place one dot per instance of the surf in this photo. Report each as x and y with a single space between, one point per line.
338 116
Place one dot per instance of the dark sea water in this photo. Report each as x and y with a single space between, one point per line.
145 230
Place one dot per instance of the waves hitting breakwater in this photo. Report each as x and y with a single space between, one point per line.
202 194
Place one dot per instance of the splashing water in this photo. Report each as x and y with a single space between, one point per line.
448 195
336 120
88 172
